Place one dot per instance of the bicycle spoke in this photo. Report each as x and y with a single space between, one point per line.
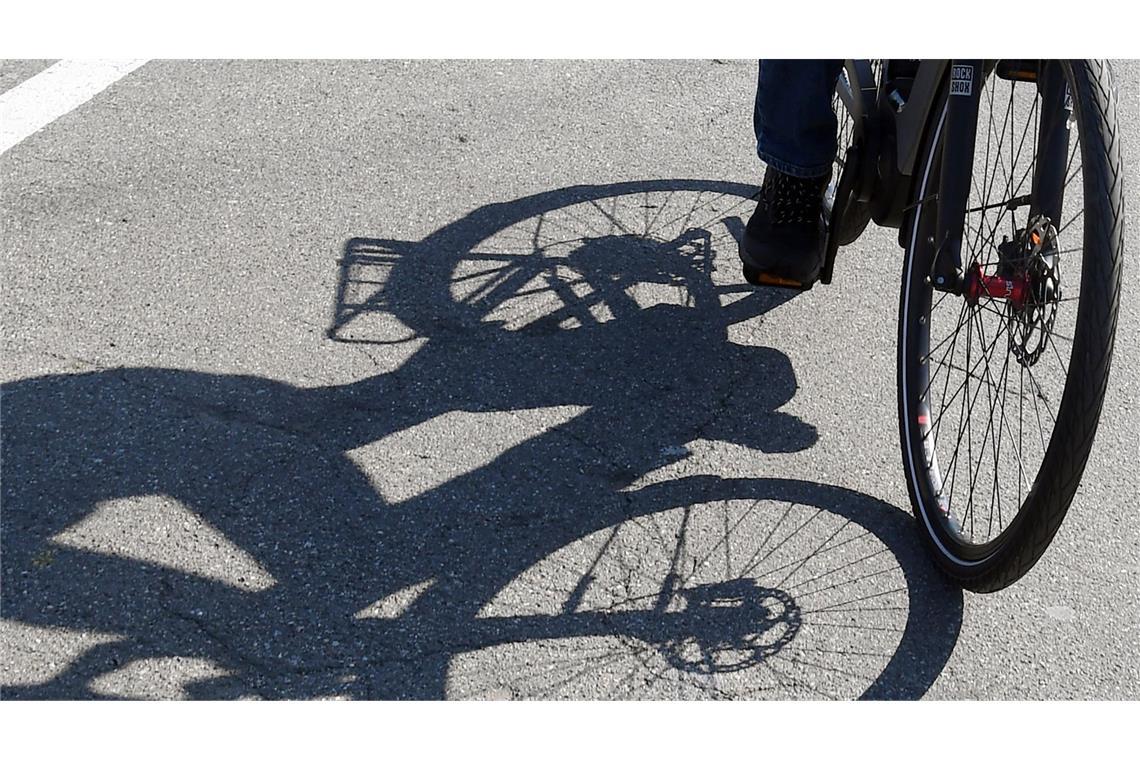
988 241
1037 410
929 354
1064 367
974 474
937 427
1001 140
1076 173
1036 133
995 493
953 334
1014 192
1009 112
992 179
964 413
969 428
1020 430
1047 332
1062 252
970 373
1069 165
996 450
1075 218
989 142
946 383
1041 395
961 415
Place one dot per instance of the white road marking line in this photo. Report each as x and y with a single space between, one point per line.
34 103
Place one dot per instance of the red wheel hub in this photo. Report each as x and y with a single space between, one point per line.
979 286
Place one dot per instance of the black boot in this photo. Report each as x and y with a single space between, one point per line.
783 243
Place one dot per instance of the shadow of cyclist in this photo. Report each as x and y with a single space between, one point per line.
267 465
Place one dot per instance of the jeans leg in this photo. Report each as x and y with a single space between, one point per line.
794 122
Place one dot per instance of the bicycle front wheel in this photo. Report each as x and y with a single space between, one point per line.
1000 392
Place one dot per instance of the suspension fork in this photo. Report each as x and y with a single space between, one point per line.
1052 142
959 133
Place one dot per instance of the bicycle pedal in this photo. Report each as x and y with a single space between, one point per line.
760 279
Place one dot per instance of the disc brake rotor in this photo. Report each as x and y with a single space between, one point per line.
1037 261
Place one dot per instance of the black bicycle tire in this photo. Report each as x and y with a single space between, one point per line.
1023 542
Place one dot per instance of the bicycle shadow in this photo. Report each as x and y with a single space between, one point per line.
266 529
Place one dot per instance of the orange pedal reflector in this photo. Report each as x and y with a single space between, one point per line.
783 282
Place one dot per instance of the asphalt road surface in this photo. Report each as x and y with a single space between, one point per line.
296 405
